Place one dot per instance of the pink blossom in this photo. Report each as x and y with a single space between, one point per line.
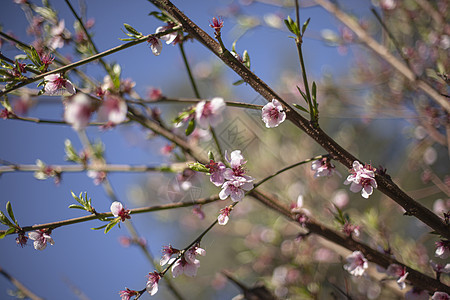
56 85
57 33
167 251
127 294
118 210
357 264
155 45
440 296
98 176
438 268
41 238
217 170
237 171
152 283
362 178
399 272
209 113
155 94
235 189
216 24
323 167
350 229
197 210
273 114
113 109
183 266
224 215
442 249
78 111
169 38
416 294
388 4
188 263
21 239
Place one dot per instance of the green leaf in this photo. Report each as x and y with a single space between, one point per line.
198 167
77 206
191 126
305 25
303 95
10 212
111 224
233 47
246 58
98 228
300 107
127 40
4 220
11 230
210 155
129 28
239 82
314 88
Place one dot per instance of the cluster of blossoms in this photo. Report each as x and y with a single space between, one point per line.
273 114
362 178
233 180
112 109
187 263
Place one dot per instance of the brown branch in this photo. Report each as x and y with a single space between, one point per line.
385 185
140 210
416 278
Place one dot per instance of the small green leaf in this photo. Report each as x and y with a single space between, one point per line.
314 88
10 212
246 58
127 40
211 155
98 228
198 167
131 29
239 82
111 224
191 126
305 25
9 231
4 220
303 95
77 206
300 107
233 47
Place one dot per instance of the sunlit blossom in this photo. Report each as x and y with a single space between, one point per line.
55 84
273 114
152 283
357 264
224 216
41 238
78 111
209 113
118 210
362 178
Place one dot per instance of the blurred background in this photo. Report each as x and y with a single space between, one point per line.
366 106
